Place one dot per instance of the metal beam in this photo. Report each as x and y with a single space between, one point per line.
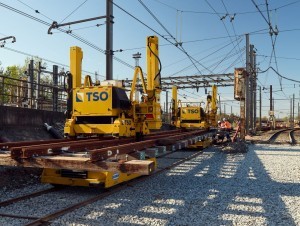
55 25
8 37
80 163
109 39
202 81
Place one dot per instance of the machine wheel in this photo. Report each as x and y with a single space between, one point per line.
139 136
59 186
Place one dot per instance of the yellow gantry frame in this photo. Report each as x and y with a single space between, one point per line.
211 107
211 111
76 56
174 103
153 84
138 72
153 78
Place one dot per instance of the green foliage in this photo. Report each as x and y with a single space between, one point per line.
9 85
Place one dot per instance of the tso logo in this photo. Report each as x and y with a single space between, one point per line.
92 96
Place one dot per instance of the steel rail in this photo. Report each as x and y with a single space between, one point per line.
293 141
18 216
104 153
274 136
35 194
56 148
46 219
25 149
8 145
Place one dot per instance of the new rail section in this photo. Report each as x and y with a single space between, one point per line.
180 145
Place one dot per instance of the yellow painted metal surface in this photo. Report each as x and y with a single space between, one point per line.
105 178
106 109
153 118
93 101
193 117
153 78
76 56
190 113
201 144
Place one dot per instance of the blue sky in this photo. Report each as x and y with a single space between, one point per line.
191 20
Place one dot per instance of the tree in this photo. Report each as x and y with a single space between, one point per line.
10 83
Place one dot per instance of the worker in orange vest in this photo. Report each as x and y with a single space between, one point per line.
226 125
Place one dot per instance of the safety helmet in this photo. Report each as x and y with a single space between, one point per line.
224 119
219 122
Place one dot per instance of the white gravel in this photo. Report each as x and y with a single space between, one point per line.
260 187
6 194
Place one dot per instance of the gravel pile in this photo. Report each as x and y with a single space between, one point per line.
260 187
235 147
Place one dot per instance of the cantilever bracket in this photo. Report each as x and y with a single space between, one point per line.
8 37
55 25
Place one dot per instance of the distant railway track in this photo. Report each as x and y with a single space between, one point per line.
292 137
288 134
46 219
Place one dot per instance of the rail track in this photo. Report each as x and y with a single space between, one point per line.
288 133
46 219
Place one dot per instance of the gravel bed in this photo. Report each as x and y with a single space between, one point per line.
50 202
297 136
283 137
7 221
6 194
260 187
173 157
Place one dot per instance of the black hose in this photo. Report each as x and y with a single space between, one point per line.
158 73
66 75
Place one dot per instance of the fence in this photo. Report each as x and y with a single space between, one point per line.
29 94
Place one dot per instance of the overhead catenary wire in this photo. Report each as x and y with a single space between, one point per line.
74 11
156 32
62 30
202 59
80 28
204 39
279 57
157 20
233 28
200 52
214 13
222 23
169 33
45 59
271 32
263 71
35 10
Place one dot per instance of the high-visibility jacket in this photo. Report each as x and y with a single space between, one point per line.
226 125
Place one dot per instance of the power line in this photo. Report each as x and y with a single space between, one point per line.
73 11
214 13
62 30
35 10
203 59
286 58
293 80
201 52
174 44
157 20
233 28
271 32
81 28
44 59
222 23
